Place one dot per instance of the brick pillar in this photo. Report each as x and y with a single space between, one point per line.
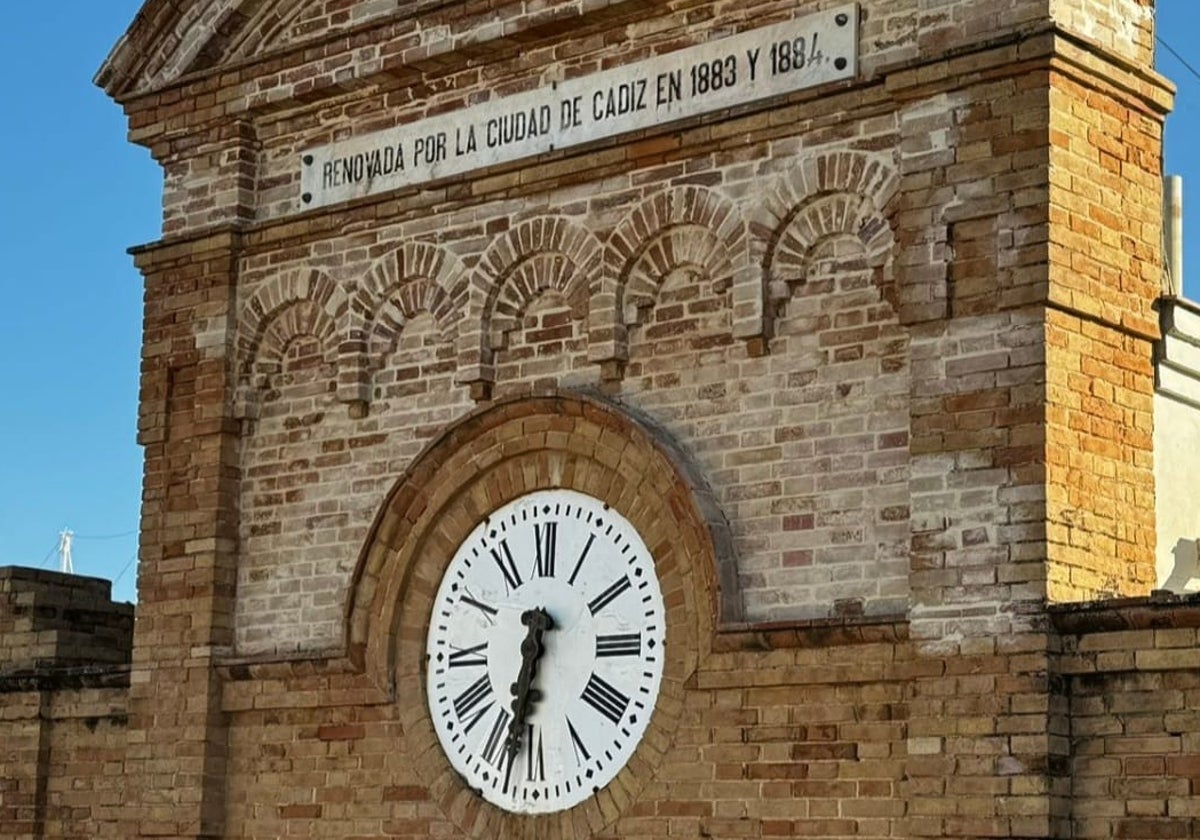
1029 236
1105 273
977 749
187 566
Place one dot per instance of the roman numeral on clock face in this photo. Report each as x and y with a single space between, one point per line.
472 656
619 644
581 751
546 536
605 699
606 597
491 747
508 567
582 556
472 696
535 765
486 609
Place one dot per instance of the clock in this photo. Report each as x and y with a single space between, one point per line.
545 651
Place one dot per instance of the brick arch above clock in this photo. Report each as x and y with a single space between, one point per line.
575 441
500 453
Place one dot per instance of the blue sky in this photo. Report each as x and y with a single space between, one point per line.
74 195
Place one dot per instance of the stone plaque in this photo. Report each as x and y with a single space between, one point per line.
802 53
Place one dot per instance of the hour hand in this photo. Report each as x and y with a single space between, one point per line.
537 622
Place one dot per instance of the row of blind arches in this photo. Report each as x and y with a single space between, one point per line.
839 195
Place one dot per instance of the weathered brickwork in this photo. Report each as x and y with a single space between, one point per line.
806 446
64 680
1126 27
826 742
794 756
1132 685
868 365
244 142
185 609
49 618
63 760
1105 272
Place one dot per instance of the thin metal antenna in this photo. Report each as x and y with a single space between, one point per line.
64 551
1173 236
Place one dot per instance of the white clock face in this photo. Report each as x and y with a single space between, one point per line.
545 651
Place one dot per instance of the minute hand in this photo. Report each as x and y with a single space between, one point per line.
537 621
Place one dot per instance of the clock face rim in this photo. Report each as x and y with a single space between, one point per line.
562 672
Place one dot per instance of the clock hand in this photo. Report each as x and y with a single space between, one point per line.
537 621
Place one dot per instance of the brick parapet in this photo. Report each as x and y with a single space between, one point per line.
428 39
61 767
1142 90
64 677
55 621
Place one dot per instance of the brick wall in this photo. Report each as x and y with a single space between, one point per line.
800 754
806 446
64 676
1125 27
871 360
1131 679
825 743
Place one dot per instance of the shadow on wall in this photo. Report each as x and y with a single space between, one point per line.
1185 576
